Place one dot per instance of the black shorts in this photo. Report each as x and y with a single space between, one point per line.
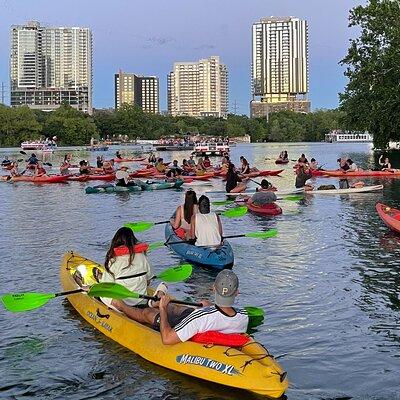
173 319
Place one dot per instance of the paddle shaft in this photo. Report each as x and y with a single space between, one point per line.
186 303
67 293
188 241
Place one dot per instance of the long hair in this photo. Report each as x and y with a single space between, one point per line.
188 207
123 237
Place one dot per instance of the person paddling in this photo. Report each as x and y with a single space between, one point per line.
302 176
234 183
178 324
32 161
205 226
123 178
126 263
266 186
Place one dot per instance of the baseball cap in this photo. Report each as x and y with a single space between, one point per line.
226 285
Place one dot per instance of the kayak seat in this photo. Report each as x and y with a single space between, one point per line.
222 339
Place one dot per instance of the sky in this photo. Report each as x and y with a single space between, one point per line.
147 37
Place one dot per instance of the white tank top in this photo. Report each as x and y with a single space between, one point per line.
207 232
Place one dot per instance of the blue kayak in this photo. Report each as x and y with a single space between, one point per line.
217 258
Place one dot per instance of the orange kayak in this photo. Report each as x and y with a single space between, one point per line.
390 216
41 179
358 174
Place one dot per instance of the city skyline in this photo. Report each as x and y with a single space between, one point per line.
217 28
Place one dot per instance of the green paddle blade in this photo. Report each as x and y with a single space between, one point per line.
263 235
256 316
139 226
222 202
18 302
155 245
293 198
235 212
176 274
111 291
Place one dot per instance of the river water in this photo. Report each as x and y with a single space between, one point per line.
329 283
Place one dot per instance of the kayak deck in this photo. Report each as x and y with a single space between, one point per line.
390 216
250 368
364 189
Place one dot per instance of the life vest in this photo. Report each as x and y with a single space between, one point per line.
137 248
222 339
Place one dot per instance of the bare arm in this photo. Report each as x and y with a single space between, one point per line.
192 233
168 335
176 222
219 226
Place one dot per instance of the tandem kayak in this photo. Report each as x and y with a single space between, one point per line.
249 367
357 174
92 177
160 185
122 160
390 216
364 189
267 209
217 258
40 179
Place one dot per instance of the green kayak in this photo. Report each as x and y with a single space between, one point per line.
141 186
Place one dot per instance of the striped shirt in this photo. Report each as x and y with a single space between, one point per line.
211 319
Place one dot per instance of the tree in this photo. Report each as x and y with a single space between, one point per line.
371 100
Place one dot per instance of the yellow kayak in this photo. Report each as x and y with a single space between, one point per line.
251 368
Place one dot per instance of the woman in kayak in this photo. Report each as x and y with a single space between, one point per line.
234 184
123 178
186 168
183 215
126 263
84 167
205 226
245 166
207 162
302 176
160 167
343 164
108 167
152 158
385 165
200 168
65 165
39 170
352 166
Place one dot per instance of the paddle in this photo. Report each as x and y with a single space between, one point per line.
288 198
141 226
18 302
255 235
119 292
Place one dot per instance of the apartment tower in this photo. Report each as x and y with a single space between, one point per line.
136 89
51 65
198 89
279 66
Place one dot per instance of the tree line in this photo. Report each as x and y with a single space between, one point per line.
73 127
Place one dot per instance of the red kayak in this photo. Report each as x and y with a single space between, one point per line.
91 177
271 172
362 173
121 160
41 179
280 161
267 209
390 216
267 172
142 174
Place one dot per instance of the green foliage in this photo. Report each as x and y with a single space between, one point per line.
371 100
73 127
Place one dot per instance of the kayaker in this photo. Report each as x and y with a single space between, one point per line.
205 226
233 182
200 168
84 167
192 162
118 155
385 165
186 168
183 215
6 162
245 169
108 168
266 186
313 164
39 170
126 263
174 171
262 198
302 176
207 162
123 178
178 324
160 167
32 161
99 162
352 165
343 165
152 158
65 165
302 160
14 170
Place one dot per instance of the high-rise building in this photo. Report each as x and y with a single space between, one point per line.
51 65
198 89
136 89
279 65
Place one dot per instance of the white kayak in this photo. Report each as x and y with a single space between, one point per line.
197 183
364 189
278 192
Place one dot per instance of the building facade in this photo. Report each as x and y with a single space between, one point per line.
279 65
198 89
51 65
136 89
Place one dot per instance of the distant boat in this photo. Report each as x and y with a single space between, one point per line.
97 147
355 137
211 148
45 146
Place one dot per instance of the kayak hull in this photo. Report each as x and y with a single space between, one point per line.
243 369
91 177
219 258
390 216
143 187
364 189
358 174
280 161
41 179
269 210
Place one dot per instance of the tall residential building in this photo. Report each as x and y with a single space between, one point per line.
198 89
279 65
136 89
51 65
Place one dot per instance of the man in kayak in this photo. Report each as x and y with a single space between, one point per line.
174 171
32 161
205 226
385 165
191 162
302 176
178 324
160 167
123 178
